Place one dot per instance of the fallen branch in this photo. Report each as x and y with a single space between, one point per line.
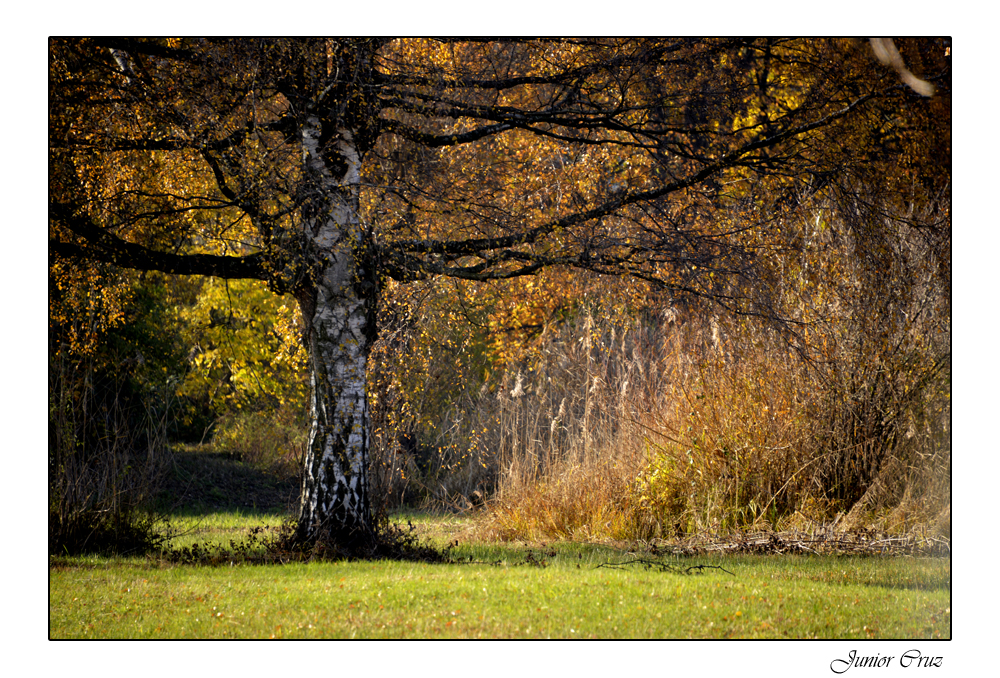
664 567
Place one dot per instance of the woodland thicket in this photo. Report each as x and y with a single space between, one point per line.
766 344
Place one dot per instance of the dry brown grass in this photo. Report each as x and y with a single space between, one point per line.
668 429
690 420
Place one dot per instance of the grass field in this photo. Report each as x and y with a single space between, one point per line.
555 590
489 589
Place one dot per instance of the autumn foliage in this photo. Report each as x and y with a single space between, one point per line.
623 288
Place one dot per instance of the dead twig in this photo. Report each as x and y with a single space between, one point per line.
663 567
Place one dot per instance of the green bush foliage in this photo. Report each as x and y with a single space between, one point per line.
109 401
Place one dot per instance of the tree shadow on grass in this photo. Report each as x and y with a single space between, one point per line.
205 481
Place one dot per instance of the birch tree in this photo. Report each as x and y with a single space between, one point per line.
325 167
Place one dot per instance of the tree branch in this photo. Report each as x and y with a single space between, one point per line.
109 248
732 159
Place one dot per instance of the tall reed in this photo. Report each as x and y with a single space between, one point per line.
672 426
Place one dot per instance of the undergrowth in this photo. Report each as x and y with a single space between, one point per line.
269 545
272 441
666 430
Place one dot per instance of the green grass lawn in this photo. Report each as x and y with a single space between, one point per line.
560 590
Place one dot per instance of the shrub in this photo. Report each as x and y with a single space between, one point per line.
674 428
274 442
107 455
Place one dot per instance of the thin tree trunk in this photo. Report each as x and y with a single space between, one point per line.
335 502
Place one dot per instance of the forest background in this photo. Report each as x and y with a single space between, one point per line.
972 263
771 347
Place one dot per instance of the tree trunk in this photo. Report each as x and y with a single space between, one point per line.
336 304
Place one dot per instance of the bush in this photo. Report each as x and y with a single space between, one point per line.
107 455
112 362
273 442
675 428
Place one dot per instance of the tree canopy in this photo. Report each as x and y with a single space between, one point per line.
483 159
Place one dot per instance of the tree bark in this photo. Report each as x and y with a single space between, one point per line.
336 303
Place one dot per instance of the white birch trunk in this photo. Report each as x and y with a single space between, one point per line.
335 504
